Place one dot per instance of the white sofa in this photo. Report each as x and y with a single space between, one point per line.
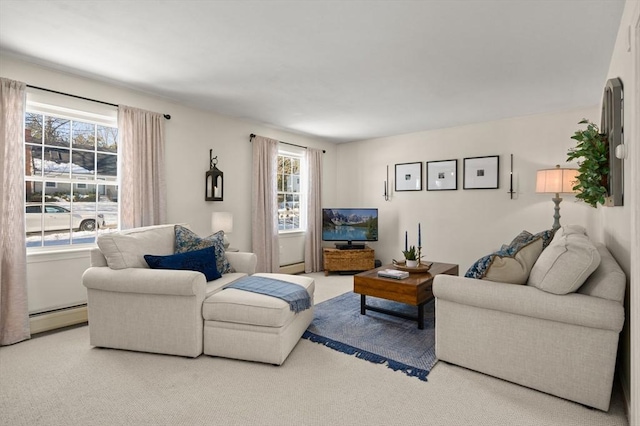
561 344
150 310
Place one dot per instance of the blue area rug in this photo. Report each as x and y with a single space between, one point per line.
376 337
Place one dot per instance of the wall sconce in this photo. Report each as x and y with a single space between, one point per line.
214 181
386 186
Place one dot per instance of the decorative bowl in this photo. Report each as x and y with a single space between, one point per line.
402 266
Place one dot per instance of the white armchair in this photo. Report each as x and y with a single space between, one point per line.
151 310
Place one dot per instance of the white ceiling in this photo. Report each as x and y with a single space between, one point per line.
338 70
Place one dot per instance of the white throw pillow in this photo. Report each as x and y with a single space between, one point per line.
126 249
570 229
565 264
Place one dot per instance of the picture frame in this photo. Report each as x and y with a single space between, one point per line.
442 175
408 177
481 172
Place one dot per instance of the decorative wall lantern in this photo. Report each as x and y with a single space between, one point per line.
213 180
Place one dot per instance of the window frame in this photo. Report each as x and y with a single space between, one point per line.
99 117
292 152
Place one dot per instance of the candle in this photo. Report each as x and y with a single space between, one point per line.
406 241
419 236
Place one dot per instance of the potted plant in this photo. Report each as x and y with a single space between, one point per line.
592 153
411 257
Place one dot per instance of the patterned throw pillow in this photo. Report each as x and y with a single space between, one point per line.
203 261
187 240
546 236
521 239
479 269
514 268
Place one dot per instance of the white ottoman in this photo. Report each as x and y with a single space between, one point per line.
254 327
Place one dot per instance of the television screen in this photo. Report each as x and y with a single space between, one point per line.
350 225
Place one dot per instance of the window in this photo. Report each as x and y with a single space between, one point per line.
290 192
71 175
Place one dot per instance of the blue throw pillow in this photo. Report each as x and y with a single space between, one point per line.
187 240
203 260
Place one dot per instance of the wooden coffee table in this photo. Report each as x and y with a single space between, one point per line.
414 290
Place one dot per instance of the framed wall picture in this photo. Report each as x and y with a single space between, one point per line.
409 177
481 172
442 175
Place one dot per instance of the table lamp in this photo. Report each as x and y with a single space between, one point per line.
557 180
222 221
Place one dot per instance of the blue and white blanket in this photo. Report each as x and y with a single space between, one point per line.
294 294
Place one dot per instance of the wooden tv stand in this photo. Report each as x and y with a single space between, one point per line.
348 260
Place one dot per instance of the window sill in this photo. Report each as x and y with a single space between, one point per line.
292 233
46 254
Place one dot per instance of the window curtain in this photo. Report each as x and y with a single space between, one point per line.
14 310
313 237
264 233
142 174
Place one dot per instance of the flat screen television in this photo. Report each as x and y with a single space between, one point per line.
346 226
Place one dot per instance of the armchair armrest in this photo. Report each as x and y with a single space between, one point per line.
574 308
145 281
243 261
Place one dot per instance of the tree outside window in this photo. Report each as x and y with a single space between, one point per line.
289 192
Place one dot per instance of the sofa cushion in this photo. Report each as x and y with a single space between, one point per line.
565 264
187 240
608 281
203 261
514 268
244 307
126 249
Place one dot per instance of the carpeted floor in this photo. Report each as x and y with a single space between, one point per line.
58 379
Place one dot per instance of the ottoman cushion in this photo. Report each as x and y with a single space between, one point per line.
244 307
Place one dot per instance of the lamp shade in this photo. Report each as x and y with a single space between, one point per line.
556 180
222 221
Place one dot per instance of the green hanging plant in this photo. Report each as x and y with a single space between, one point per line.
592 153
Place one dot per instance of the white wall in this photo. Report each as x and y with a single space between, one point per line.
189 135
461 226
620 234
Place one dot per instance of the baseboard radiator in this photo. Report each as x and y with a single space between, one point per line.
295 268
60 318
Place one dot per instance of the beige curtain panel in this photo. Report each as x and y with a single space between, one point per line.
264 232
313 237
14 310
143 191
